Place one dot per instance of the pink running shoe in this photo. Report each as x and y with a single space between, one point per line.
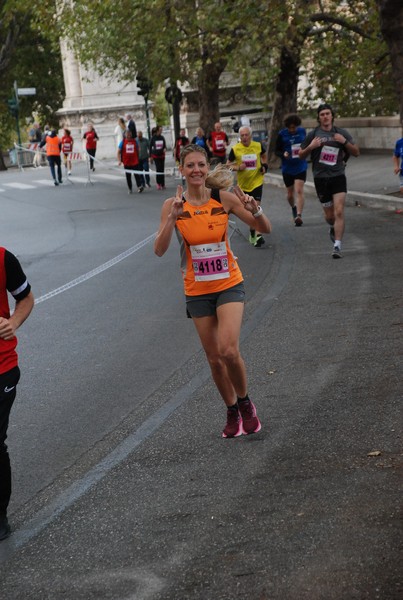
250 421
233 428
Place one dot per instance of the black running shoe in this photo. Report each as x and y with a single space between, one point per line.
259 241
5 529
294 211
331 234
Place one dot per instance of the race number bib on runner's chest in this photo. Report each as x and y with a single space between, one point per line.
210 261
295 150
250 160
328 155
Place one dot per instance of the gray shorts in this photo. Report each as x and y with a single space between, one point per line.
206 304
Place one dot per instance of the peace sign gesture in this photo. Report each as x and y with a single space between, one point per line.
177 203
249 203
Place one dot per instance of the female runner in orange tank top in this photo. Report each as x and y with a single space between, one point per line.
212 279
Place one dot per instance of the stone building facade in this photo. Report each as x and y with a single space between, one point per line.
91 98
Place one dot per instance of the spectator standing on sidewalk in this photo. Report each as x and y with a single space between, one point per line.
35 134
327 145
131 125
288 144
398 166
53 146
120 130
13 281
144 155
128 156
248 159
35 137
157 155
91 138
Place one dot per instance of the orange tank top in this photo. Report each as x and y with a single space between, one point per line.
207 262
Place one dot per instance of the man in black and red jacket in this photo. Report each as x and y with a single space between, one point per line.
14 281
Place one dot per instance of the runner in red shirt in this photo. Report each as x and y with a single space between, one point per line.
217 143
91 137
128 154
67 149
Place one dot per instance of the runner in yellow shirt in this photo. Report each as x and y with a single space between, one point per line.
248 159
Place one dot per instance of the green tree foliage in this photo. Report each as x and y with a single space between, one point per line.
349 67
33 60
336 44
177 40
160 108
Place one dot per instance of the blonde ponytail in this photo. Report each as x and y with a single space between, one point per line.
221 177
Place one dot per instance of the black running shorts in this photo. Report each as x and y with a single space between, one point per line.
327 187
206 304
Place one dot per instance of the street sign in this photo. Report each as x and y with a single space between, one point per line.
26 91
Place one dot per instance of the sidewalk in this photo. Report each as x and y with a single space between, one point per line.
370 181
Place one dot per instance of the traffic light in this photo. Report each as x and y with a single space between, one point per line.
13 107
144 86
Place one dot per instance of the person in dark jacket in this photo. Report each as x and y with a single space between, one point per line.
131 125
157 155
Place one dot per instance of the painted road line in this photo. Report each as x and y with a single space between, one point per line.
96 271
107 176
20 186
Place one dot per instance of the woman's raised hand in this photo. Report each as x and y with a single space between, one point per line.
249 202
177 204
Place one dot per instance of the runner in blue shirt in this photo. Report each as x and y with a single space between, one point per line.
294 169
398 169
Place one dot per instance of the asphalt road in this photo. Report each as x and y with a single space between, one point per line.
123 486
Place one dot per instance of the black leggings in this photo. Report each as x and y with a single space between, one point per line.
91 152
160 168
138 178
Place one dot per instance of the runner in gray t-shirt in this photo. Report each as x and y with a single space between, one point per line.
328 146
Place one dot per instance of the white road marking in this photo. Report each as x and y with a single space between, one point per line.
75 179
44 181
96 271
20 186
107 176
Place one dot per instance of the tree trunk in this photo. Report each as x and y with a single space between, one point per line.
285 97
391 21
2 163
209 93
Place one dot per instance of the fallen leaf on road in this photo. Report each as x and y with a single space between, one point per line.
374 453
